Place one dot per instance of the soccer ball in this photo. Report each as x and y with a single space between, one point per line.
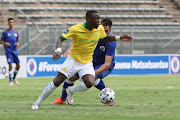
107 96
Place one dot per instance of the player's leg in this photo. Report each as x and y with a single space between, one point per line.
67 83
65 72
99 84
49 89
16 60
87 74
10 60
10 74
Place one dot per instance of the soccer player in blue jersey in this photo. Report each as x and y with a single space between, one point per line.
10 39
85 37
103 63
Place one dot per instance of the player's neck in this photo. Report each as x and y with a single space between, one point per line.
89 26
11 28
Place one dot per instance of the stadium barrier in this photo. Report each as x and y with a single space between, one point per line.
44 66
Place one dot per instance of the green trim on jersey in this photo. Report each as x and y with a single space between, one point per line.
63 37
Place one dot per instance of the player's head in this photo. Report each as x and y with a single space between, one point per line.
11 22
107 24
92 19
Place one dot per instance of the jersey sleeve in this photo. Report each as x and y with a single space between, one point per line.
110 48
103 34
3 36
69 33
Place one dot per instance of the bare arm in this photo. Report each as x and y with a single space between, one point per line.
67 52
116 38
5 43
105 66
59 42
17 43
58 53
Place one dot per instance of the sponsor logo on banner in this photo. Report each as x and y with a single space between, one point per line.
31 67
43 66
141 65
175 66
134 64
3 70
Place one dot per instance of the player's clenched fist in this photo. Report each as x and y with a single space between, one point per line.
126 38
56 56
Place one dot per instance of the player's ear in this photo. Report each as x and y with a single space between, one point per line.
88 19
110 30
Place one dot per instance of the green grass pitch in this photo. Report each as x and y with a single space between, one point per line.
150 97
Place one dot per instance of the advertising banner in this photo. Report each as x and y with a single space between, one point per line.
43 66
141 65
4 69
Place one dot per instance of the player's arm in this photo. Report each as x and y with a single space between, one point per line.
58 50
64 36
116 38
67 52
105 66
4 43
17 43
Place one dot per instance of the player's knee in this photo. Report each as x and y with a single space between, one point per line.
10 67
56 82
17 66
60 78
89 84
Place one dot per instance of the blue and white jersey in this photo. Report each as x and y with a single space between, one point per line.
104 48
10 36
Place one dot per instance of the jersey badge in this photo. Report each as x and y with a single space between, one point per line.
15 35
102 48
9 60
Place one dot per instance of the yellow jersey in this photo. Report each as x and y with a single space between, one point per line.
84 41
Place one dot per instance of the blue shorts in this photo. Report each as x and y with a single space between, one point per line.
12 58
103 74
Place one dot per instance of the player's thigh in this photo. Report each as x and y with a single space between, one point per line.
69 68
87 68
10 58
16 59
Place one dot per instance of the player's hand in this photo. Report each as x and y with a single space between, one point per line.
126 38
66 54
56 56
7 44
17 44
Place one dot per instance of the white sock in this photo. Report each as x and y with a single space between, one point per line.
79 88
10 76
16 71
69 82
96 82
49 89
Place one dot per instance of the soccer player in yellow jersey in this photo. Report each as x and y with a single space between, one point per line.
85 38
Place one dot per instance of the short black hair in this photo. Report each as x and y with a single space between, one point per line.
10 19
89 13
107 22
